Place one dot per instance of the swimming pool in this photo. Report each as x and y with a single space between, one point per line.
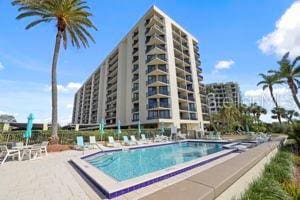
124 165
119 171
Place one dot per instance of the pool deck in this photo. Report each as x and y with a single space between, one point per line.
53 177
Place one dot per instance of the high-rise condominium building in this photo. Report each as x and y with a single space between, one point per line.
152 76
219 94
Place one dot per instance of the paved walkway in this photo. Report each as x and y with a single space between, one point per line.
50 177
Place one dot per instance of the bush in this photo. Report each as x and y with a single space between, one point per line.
292 188
266 189
280 168
69 137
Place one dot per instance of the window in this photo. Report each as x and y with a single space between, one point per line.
192 107
193 116
152 114
135 117
164 102
152 103
162 78
165 114
163 90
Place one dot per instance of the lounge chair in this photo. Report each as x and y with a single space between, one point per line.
44 147
33 152
111 142
133 140
161 138
181 136
6 153
143 139
127 142
80 144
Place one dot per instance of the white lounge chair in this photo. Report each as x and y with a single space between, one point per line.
127 142
44 147
6 153
33 152
143 139
111 142
133 140
161 138
181 136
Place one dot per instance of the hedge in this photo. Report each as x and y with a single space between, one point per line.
69 137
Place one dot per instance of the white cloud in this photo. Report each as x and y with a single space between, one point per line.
8 113
224 64
70 87
286 36
69 105
73 86
1 66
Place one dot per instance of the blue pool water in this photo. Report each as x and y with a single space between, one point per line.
124 165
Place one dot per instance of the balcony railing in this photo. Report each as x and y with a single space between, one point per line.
154 92
155 36
135 78
135 67
135 98
160 46
135 110
150 58
134 89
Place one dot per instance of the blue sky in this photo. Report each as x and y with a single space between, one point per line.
230 31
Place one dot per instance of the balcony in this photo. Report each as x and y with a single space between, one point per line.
158 81
136 98
135 89
158 93
155 29
156 59
135 42
191 98
155 39
156 49
157 69
135 68
154 20
135 58
135 109
135 50
184 108
135 78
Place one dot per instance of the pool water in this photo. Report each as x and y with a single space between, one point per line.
124 165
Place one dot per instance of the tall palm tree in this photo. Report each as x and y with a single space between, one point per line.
289 72
268 82
71 18
257 111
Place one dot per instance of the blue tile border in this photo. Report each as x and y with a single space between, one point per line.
148 182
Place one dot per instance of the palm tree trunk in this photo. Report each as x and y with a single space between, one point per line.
275 102
294 93
54 135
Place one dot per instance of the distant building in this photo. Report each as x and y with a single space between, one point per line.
152 76
218 94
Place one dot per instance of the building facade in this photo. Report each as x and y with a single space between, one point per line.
219 94
152 76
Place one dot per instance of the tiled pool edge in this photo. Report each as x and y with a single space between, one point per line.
117 193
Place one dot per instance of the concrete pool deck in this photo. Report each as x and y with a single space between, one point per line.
52 177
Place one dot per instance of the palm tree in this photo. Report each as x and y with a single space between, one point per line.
72 21
268 82
256 111
278 112
289 72
289 115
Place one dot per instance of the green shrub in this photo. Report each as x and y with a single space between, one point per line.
280 168
292 188
266 189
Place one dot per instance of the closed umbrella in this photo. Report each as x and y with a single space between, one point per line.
162 129
29 126
119 128
101 128
139 128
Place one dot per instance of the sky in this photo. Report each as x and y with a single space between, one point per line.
238 39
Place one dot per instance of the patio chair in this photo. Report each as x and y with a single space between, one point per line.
33 152
80 144
6 153
111 142
143 139
126 141
44 147
133 140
